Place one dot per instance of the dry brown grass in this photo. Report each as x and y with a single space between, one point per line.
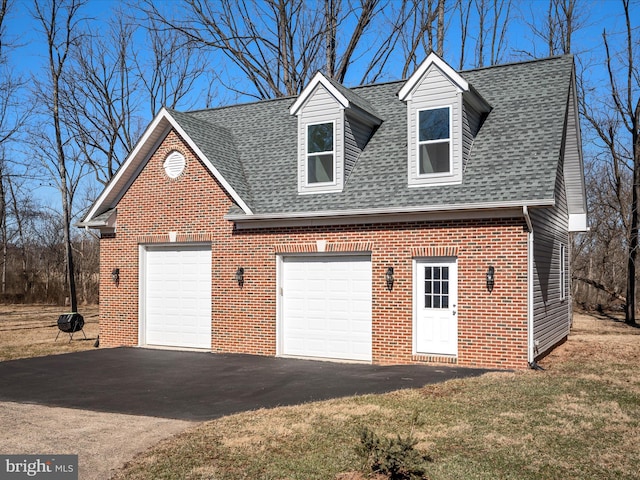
30 331
580 418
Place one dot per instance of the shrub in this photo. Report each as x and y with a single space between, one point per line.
395 457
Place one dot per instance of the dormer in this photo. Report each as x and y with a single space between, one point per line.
334 125
444 113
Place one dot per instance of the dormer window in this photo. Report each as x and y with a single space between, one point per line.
334 125
444 114
320 153
434 141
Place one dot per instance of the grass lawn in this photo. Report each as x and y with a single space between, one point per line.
580 418
30 331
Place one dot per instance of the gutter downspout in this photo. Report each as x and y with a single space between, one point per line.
530 340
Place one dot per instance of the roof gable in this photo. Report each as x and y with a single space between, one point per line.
345 97
432 60
209 148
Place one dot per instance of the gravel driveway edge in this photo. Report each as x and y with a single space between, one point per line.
103 441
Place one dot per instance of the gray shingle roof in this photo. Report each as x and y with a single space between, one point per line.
514 158
218 145
354 98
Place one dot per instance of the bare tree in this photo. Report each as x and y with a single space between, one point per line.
278 45
273 44
101 107
60 24
423 31
555 26
494 17
464 9
168 71
617 125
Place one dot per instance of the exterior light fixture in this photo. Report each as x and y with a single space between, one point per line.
389 278
115 275
490 278
240 276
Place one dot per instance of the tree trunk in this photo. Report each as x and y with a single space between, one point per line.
3 231
630 311
440 29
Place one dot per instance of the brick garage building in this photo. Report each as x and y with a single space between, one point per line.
425 220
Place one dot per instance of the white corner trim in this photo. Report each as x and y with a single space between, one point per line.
433 59
319 78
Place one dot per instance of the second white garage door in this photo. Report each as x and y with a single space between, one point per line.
326 307
177 296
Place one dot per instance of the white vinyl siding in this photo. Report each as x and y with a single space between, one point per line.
563 271
435 90
551 313
321 108
573 168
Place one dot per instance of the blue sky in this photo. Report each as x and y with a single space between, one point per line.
29 55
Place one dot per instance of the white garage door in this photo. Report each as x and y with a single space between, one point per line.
326 307
177 297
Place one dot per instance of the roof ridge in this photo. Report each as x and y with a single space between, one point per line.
519 62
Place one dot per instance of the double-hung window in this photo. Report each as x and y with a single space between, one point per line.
434 141
320 153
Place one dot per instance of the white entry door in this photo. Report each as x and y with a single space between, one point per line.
435 305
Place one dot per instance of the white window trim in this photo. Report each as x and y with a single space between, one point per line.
427 142
307 154
563 271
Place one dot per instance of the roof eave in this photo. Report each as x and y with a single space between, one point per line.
388 215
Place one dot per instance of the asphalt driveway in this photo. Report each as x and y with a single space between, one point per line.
198 386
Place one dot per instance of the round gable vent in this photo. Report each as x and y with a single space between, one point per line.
174 164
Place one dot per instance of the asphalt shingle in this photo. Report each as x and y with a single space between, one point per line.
514 157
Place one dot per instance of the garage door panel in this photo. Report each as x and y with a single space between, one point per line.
178 296
326 309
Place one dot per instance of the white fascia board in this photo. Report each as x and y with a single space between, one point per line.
156 131
385 215
319 78
433 59
132 162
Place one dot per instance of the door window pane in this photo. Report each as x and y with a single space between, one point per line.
436 287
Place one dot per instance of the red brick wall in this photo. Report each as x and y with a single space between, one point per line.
492 327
